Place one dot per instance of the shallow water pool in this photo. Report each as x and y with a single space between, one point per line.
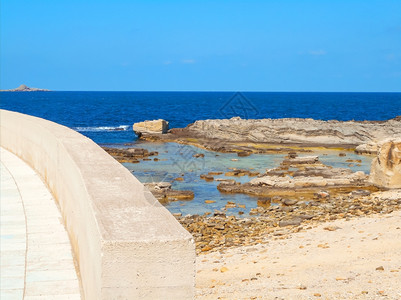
176 160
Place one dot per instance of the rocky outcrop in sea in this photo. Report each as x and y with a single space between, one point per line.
240 135
130 155
151 127
297 131
24 88
165 194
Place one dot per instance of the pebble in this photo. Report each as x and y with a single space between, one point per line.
331 228
292 222
289 201
340 278
206 177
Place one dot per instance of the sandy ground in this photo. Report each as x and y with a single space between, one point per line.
355 259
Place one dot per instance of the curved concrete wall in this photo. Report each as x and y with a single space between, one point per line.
126 244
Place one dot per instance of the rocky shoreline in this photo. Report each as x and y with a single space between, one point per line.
301 192
161 190
218 232
237 135
353 258
312 194
296 195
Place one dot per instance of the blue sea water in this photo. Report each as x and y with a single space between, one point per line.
98 114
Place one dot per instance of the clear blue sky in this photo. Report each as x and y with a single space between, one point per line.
279 45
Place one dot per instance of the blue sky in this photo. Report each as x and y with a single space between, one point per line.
188 45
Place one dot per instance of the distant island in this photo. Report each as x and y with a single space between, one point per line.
24 88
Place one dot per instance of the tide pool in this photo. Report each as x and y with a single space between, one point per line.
176 160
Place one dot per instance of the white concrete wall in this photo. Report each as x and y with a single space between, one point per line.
127 245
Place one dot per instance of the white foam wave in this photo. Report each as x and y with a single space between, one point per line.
103 128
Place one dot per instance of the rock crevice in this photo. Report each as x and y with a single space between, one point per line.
386 167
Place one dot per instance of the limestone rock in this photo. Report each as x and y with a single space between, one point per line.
155 126
302 160
130 155
286 182
273 181
165 194
289 202
370 148
386 167
296 130
291 222
158 186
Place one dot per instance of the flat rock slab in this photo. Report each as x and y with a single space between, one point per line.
296 130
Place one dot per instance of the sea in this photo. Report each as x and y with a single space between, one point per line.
107 119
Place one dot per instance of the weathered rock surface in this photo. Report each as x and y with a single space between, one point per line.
301 178
150 127
244 137
301 160
24 88
370 148
386 167
241 172
306 181
295 130
129 155
164 193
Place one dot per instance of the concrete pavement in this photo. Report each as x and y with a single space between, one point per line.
36 255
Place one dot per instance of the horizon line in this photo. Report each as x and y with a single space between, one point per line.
199 91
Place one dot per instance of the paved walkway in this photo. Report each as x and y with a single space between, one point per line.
36 255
